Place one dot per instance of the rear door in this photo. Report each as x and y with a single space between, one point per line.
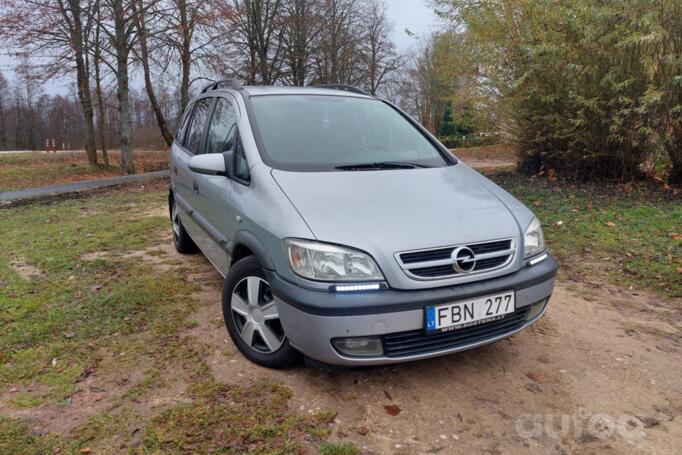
180 181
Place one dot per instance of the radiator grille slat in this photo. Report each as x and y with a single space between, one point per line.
416 263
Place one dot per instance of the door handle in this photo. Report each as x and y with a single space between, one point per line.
196 187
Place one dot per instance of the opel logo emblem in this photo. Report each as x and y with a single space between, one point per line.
463 259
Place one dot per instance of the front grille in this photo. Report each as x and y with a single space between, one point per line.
416 342
438 263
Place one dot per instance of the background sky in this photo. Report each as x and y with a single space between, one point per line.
414 15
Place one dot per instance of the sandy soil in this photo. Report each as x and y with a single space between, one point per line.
601 372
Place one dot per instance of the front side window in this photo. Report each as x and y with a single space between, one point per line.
195 133
223 127
241 167
324 133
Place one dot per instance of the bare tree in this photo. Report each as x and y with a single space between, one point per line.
54 29
97 58
121 33
72 15
190 34
421 93
303 21
140 12
338 58
378 50
257 29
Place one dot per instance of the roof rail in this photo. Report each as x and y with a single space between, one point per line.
232 83
342 87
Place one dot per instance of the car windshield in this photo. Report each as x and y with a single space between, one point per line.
325 133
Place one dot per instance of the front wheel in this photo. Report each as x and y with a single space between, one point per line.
251 317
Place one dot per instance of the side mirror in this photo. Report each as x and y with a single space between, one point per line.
209 164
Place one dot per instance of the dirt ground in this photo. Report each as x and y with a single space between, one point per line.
601 372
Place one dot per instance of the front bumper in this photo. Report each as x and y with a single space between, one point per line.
312 318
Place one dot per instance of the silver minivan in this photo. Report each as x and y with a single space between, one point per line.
346 232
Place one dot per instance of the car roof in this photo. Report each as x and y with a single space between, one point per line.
260 90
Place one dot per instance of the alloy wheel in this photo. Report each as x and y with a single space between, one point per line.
255 315
176 222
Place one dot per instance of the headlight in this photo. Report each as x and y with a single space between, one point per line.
325 262
534 240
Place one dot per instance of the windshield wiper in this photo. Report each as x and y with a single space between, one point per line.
379 166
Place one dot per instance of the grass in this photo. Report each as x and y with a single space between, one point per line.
114 318
56 322
253 419
27 170
632 234
338 448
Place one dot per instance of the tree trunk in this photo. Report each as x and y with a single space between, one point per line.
98 91
82 78
123 91
3 135
185 54
144 57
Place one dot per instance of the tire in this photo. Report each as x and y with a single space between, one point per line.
183 242
251 317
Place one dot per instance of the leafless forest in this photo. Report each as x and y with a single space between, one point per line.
137 63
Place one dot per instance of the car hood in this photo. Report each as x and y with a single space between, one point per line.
384 212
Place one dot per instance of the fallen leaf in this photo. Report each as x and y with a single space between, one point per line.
535 388
85 450
588 437
93 397
96 287
536 377
69 334
675 236
611 224
392 409
648 421
679 270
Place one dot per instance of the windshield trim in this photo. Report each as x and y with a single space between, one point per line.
447 156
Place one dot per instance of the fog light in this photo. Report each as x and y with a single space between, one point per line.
536 309
358 346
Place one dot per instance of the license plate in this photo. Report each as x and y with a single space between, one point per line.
468 313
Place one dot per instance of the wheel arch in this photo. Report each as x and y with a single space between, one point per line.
245 244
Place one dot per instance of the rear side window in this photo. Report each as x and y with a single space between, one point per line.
195 133
180 136
222 131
